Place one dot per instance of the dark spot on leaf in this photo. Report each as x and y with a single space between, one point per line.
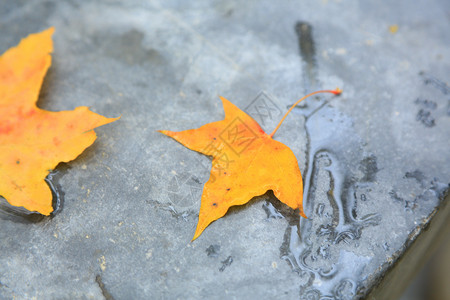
214 204
18 162
228 189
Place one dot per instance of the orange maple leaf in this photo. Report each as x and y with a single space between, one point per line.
246 163
33 141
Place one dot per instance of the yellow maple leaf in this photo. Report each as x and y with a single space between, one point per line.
247 162
32 140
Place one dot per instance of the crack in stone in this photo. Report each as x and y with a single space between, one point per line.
102 287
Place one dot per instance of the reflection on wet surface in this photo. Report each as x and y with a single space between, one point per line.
22 215
336 160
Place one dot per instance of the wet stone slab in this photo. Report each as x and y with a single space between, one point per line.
374 160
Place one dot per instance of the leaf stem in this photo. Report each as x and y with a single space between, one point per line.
337 91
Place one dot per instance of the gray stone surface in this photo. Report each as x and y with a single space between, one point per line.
375 160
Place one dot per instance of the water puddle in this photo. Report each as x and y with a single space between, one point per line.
338 177
22 215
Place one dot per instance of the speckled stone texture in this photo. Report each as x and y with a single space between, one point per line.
375 160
